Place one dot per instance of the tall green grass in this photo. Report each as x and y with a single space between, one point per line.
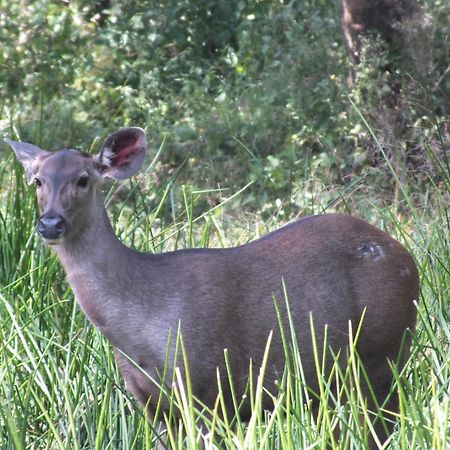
59 385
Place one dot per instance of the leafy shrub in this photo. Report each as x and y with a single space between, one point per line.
242 91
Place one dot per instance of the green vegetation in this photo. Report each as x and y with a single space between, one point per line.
252 124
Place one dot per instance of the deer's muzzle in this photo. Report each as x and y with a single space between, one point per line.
52 227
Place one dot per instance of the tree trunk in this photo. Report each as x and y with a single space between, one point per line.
392 20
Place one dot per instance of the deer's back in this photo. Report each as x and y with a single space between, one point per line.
328 267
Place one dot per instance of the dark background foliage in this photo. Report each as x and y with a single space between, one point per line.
243 90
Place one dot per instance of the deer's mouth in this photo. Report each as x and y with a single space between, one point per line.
50 242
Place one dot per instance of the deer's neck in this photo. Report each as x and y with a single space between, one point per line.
94 246
99 267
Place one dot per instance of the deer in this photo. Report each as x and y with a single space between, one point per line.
334 268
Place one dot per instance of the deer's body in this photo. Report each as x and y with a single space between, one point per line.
333 266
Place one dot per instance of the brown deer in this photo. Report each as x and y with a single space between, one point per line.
333 267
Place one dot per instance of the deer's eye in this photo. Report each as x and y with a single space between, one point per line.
83 181
38 182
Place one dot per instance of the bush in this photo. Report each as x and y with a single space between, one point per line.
243 91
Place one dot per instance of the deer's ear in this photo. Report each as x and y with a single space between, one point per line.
122 154
29 155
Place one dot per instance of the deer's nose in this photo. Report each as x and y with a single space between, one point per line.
51 226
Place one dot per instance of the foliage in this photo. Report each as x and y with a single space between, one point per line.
236 89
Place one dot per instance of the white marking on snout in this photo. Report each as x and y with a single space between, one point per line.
56 241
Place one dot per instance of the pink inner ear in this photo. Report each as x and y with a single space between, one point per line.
122 157
123 153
